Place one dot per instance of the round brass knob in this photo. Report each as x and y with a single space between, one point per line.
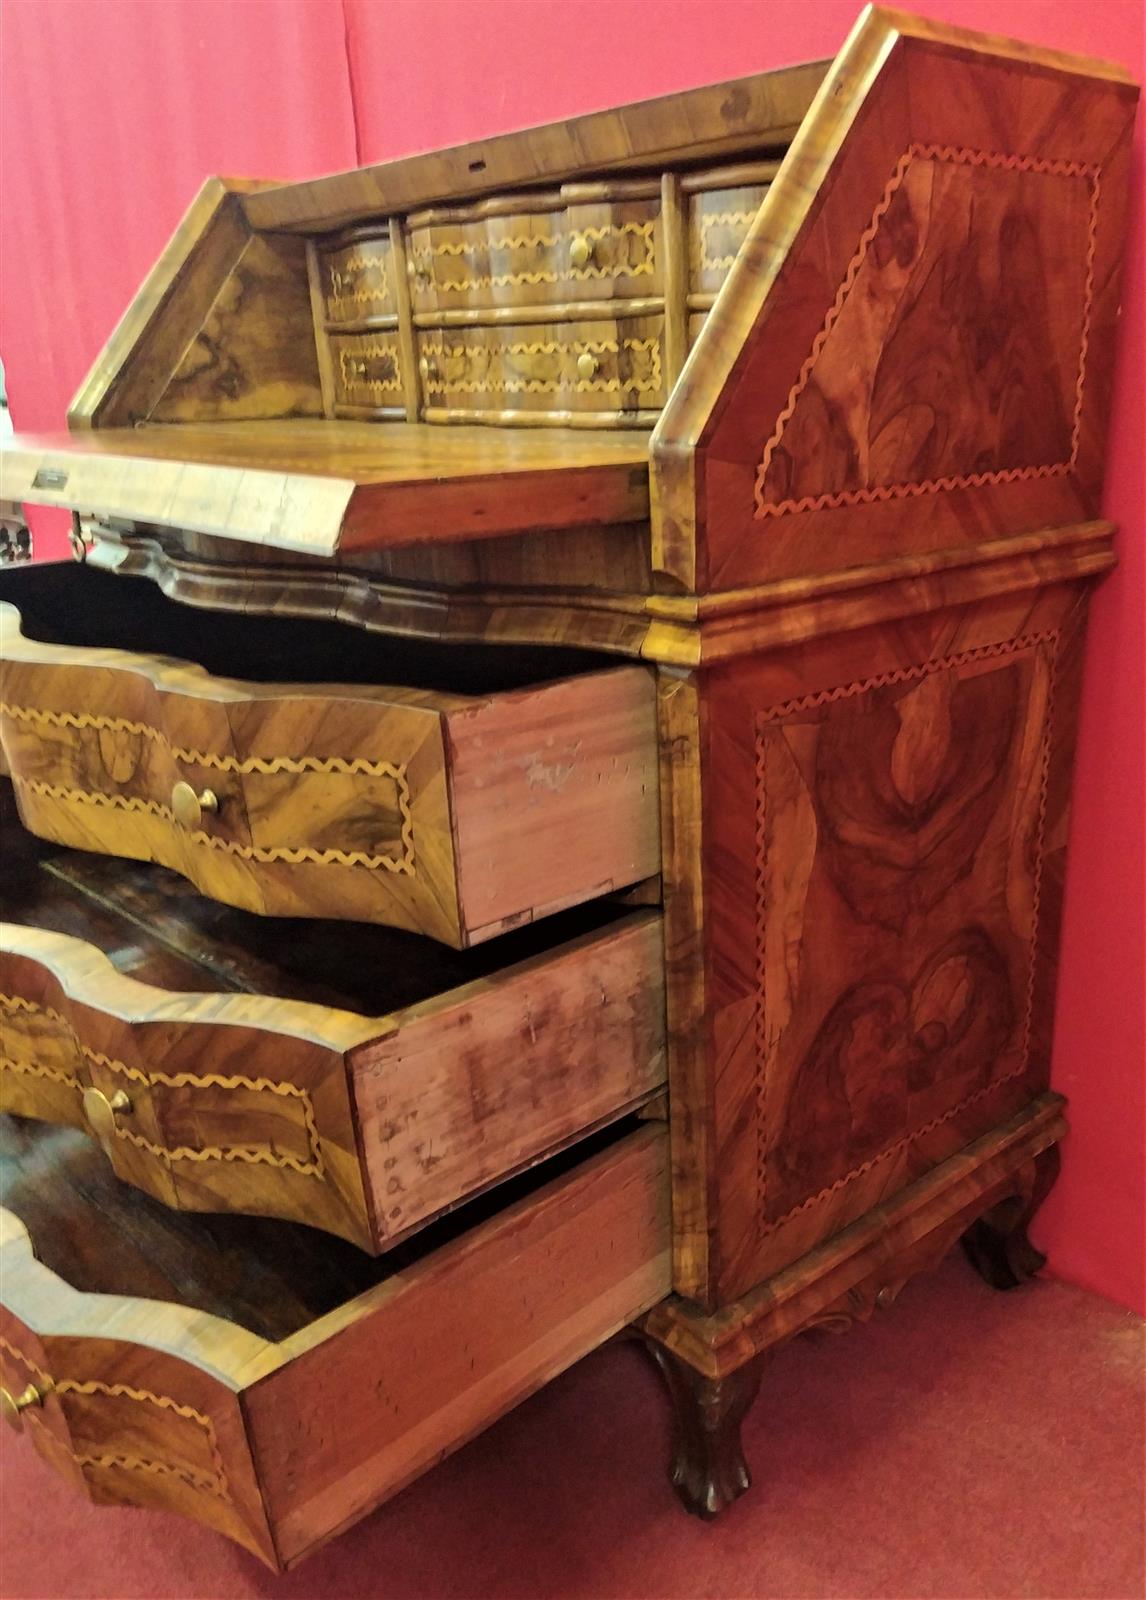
102 1112
12 1404
189 806
587 365
430 370
581 251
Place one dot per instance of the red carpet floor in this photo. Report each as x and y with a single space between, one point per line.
966 1444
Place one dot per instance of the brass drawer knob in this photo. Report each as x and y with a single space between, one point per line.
587 365
580 251
431 372
13 1404
189 806
102 1112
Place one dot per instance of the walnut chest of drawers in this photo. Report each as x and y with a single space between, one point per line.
540 808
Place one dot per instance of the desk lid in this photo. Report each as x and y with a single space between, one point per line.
327 488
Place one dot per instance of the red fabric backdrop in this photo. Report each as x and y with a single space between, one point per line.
113 111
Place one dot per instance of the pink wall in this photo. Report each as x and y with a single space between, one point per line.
112 111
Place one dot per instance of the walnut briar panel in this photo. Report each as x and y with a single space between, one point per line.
907 816
117 1427
231 1103
970 263
884 994
913 348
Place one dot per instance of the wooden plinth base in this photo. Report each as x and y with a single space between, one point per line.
987 1194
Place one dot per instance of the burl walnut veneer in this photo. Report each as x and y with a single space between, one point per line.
595 608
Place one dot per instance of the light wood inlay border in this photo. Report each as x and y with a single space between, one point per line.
774 714
896 491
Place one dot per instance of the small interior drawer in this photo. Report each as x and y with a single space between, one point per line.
612 368
538 249
301 768
718 224
367 370
356 277
352 1077
275 1384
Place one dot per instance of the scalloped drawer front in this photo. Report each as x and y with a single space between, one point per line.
279 1388
205 1105
366 1126
611 368
447 814
356 279
483 256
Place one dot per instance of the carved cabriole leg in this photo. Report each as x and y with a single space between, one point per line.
996 1244
711 1362
708 1468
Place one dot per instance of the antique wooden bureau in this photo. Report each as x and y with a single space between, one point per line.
540 808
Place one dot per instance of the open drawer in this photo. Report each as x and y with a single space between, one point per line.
351 1077
452 791
277 1385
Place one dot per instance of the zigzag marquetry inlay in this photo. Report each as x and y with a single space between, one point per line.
764 507
779 713
492 380
422 258
255 1155
266 766
291 855
356 766
357 283
740 221
211 1483
355 371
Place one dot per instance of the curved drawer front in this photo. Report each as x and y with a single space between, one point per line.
356 278
121 1420
612 368
448 815
365 1127
207 1102
284 1436
367 370
501 253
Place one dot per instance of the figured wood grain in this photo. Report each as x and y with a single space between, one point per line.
864 388
350 1082
455 816
131 372
718 121
880 999
615 370
255 353
239 1103
121 1421
327 486
186 1401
